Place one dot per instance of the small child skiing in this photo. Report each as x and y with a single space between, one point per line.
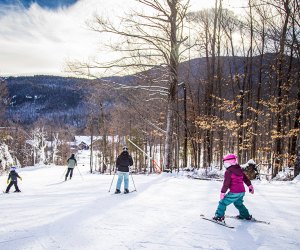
13 180
234 180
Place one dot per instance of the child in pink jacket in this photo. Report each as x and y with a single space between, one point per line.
234 181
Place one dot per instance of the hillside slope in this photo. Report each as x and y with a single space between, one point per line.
163 214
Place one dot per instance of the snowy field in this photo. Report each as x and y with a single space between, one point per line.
162 214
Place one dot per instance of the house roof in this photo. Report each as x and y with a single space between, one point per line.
87 139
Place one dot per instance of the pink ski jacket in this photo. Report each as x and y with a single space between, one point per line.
234 180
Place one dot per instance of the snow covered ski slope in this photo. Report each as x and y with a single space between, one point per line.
81 214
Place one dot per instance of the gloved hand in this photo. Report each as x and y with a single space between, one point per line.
7 181
21 178
222 195
251 189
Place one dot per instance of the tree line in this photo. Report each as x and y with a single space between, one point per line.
245 98
248 105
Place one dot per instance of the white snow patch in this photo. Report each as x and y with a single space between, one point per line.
164 213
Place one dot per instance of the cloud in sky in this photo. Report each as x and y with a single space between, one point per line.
40 36
52 4
39 40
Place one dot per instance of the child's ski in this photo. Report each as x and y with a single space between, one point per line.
252 220
217 222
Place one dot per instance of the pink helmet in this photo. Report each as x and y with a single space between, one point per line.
230 159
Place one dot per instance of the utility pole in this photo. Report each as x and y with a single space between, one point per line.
297 163
91 146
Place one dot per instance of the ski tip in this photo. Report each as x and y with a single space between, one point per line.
261 221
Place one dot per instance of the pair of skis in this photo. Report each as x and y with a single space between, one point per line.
222 223
124 192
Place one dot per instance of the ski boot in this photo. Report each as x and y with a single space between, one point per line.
117 191
126 191
219 219
244 218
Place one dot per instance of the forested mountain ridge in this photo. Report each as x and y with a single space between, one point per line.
35 97
65 99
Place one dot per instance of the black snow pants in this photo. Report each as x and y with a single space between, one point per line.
15 183
70 170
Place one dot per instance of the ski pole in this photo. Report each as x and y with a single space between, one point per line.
63 173
133 182
79 172
112 181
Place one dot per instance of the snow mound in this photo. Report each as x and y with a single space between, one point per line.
213 173
285 175
296 179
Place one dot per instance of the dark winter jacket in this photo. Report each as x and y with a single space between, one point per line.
234 180
124 160
72 162
13 176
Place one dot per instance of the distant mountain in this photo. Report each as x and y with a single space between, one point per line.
63 100
52 97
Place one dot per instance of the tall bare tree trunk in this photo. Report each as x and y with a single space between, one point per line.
185 134
173 69
258 94
280 62
295 150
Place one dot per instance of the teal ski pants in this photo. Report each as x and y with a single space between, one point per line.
237 200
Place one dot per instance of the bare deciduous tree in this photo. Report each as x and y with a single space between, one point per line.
149 37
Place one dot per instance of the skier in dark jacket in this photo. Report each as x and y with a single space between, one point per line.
13 180
124 160
234 181
72 163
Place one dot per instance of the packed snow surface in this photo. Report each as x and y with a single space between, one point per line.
164 213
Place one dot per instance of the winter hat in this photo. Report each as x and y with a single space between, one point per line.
229 160
125 148
13 168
